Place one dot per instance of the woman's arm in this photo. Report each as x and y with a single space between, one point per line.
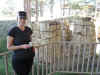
10 45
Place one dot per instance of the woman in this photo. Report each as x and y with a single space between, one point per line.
18 41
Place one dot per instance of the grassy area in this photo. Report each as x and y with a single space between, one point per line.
59 73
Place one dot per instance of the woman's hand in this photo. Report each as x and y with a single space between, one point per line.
25 46
10 45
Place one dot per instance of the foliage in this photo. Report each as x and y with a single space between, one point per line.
2 66
4 27
75 6
59 73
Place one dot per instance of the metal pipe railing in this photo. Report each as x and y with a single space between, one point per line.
72 58
6 64
5 55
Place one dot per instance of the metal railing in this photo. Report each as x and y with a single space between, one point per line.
68 57
6 60
64 57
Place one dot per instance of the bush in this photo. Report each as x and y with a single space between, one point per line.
4 27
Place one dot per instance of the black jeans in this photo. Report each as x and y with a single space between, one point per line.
22 66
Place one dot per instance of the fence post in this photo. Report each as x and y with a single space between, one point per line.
6 63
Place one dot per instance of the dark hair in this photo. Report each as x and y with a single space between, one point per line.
22 15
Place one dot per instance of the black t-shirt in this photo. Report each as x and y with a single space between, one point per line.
21 37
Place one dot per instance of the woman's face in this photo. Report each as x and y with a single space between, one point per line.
22 21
